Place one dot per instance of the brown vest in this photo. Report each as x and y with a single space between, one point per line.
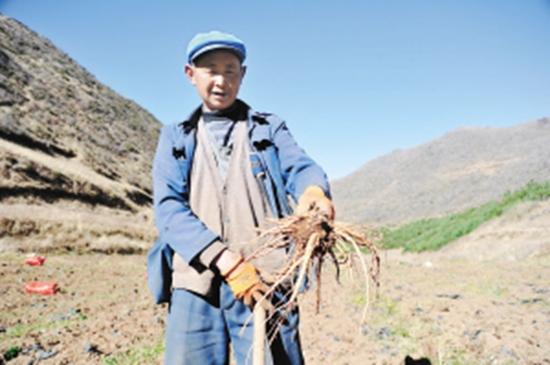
234 209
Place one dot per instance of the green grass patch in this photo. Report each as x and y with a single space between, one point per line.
492 289
387 307
359 299
434 233
12 352
142 355
458 357
386 313
21 330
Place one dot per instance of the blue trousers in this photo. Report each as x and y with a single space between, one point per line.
199 331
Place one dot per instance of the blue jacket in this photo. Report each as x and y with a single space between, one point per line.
277 160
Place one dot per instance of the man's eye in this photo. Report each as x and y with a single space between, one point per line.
207 70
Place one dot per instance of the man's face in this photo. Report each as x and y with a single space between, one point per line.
217 76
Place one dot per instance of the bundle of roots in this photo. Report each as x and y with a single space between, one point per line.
311 240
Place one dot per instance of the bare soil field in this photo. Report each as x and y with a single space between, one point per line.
450 311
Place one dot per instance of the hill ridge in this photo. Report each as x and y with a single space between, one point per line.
69 144
461 169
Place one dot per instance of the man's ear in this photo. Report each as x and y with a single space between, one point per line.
243 72
190 72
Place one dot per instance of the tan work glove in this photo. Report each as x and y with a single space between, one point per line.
243 279
314 198
246 284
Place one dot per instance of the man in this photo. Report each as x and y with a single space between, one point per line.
218 177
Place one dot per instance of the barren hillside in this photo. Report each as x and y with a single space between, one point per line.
75 156
462 169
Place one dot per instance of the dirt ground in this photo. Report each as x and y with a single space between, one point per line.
452 312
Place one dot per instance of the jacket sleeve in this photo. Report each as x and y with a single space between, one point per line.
176 223
298 169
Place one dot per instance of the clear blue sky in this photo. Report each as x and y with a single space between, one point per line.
353 79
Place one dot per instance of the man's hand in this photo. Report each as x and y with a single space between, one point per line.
314 198
246 284
243 279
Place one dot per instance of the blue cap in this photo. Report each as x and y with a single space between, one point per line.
205 42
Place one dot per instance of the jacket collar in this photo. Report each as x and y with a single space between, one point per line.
258 126
238 111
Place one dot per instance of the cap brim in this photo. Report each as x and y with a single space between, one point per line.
214 47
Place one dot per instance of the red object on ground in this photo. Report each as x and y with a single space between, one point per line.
35 260
40 287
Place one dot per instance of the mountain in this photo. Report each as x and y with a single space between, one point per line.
75 156
462 169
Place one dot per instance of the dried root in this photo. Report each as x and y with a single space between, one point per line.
311 240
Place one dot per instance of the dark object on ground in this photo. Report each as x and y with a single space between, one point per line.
450 296
12 353
92 349
422 361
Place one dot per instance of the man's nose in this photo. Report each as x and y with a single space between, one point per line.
220 80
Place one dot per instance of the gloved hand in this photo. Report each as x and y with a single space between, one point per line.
243 279
246 284
314 198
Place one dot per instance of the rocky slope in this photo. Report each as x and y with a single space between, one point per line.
68 144
462 169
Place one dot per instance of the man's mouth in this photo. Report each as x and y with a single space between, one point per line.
218 94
